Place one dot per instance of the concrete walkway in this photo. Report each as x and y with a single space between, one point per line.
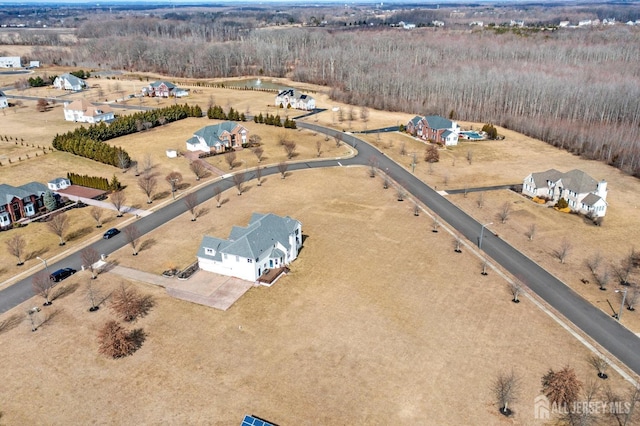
106 205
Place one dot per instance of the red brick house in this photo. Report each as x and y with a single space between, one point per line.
434 128
20 202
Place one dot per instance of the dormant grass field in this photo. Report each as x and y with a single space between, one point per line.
379 322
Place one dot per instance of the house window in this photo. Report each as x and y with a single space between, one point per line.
2 208
224 255
209 251
249 260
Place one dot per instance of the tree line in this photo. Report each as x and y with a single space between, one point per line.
96 182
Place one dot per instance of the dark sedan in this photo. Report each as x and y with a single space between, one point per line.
111 233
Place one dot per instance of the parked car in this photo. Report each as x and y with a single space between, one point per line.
111 233
61 274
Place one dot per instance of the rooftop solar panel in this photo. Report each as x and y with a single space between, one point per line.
254 421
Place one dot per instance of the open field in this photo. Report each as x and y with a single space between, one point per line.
377 323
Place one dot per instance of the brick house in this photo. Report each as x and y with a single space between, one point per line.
434 128
17 203
218 138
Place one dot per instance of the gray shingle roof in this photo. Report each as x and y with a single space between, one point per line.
579 182
261 235
156 84
211 134
73 80
8 192
437 122
540 179
591 199
415 120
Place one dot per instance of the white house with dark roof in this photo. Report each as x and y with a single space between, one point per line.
218 137
69 82
4 102
83 111
582 192
268 242
58 183
434 128
20 202
294 99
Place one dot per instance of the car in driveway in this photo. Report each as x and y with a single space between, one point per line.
111 233
61 274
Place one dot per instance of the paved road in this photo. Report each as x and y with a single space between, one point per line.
60 98
619 341
481 189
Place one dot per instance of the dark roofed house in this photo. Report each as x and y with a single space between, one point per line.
582 192
17 203
434 128
218 137
163 89
291 98
268 242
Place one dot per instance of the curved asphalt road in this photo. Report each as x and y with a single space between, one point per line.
619 341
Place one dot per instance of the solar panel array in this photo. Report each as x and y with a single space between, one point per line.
254 421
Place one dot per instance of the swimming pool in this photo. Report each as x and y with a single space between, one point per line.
470 134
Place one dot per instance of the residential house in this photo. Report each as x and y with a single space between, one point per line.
269 242
58 183
10 62
434 128
582 192
84 111
69 82
4 102
294 99
163 89
20 202
218 137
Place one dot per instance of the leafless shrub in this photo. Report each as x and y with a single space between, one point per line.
600 363
480 200
114 341
96 214
505 212
117 200
58 224
16 246
238 181
198 168
191 202
132 235
42 286
217 194
516 289
289 148
435 223
282 168
531 231
258 152
89 257
563 251
130 305
230 159
148 182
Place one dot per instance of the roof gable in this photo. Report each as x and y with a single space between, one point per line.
437 122
213 134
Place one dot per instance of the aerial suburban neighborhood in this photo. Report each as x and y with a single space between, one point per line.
273 214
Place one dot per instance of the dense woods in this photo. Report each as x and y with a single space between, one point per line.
577 89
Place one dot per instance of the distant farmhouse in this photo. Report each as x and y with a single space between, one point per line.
20 202
582 192
291 98
4 103
83 111
269 242
69 82
164 89
434 128
218 138
10 62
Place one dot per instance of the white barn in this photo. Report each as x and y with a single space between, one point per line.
269 242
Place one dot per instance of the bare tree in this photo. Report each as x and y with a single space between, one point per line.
435 223
258 171
114 341
289 148
93 296
399 193
198 168
255 140
16 246
505 212
96 214
123 161
258 152
173 179
230 159
132 235
364 115
600 363
319 147
282 168
485 266
385 182
373 166
337 138
217 194
42 105
42 285
457 243
403 149
623 272
480 200
593 262
58 224
561 387
416 209
148 182
516 290
89 257
147 164
563 251
431 154
531 231
602 278
191 201
128 304
238 181
632 296
506 388
117 200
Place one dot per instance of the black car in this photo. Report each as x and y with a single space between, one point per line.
111 233
61 274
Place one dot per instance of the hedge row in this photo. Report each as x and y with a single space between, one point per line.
96 182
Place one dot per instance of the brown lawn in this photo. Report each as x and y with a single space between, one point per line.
379 322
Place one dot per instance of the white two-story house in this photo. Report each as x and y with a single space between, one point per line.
268 242
83 111
582 192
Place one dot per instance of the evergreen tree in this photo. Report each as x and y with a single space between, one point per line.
50 202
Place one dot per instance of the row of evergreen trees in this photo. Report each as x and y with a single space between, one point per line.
216 112
96 182
88 141
275 120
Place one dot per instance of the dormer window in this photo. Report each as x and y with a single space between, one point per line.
209 251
